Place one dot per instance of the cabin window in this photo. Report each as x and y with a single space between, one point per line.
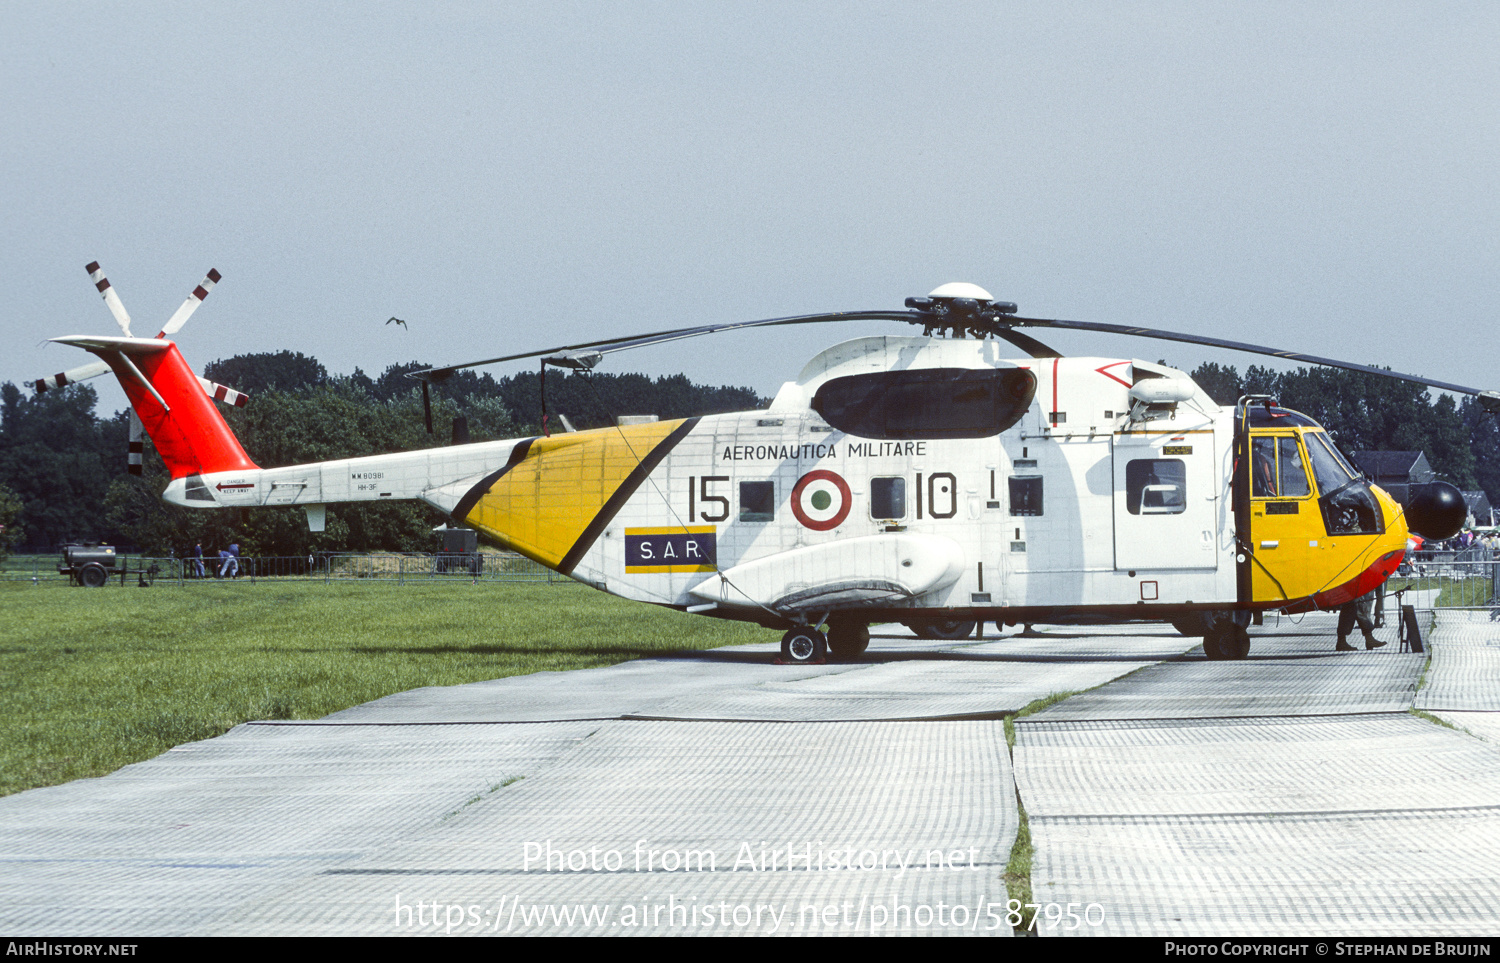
888 498
757 501
927 402
1156 486
1026 495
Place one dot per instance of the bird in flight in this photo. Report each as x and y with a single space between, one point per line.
398 321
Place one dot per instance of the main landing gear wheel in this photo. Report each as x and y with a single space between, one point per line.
804 646
848 640
1226 641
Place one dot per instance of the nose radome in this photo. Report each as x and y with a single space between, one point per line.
1436 510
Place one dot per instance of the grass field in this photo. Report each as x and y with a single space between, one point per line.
94 680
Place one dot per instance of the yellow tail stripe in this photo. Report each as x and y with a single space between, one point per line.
549 506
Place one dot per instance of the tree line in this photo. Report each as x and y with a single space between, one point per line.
63 477
1366 412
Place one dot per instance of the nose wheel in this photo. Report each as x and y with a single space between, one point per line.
804 646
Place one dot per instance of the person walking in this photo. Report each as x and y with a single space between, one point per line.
1360 610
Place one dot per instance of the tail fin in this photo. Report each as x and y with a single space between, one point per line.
181 419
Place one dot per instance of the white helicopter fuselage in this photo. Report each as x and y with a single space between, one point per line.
1094 498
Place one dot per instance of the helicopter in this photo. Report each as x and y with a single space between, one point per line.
928 479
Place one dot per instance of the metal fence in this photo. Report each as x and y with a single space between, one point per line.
135 570
1467 579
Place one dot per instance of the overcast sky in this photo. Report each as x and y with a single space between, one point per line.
511 176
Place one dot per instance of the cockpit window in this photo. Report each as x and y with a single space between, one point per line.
1349 507
927 402
1352 510
1289 471
1329 467
1276 468
1263 468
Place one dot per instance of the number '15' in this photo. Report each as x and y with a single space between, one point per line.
698 492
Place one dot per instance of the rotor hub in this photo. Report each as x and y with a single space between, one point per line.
961 309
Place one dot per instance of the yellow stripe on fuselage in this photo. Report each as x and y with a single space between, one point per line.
546 503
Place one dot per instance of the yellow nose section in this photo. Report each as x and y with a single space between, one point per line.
558 494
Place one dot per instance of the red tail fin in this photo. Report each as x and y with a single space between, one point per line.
187 429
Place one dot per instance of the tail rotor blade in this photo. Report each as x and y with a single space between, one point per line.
96 274
177 320
137 444
219 392
81 373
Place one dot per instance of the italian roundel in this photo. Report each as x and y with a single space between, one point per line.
820 500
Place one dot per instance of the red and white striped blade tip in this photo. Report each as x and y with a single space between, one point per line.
81 373
178 319
111 299
223 393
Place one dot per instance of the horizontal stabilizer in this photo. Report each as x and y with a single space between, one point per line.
131 346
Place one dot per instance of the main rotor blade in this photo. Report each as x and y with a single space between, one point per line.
609 345
1027 344
1490 397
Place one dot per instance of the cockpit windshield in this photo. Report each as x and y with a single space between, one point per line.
1329 467
1349 507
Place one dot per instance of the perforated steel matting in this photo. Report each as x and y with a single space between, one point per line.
1372 874
688 826
165 846
1465 671
1159 813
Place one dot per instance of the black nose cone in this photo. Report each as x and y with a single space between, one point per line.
1436 510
